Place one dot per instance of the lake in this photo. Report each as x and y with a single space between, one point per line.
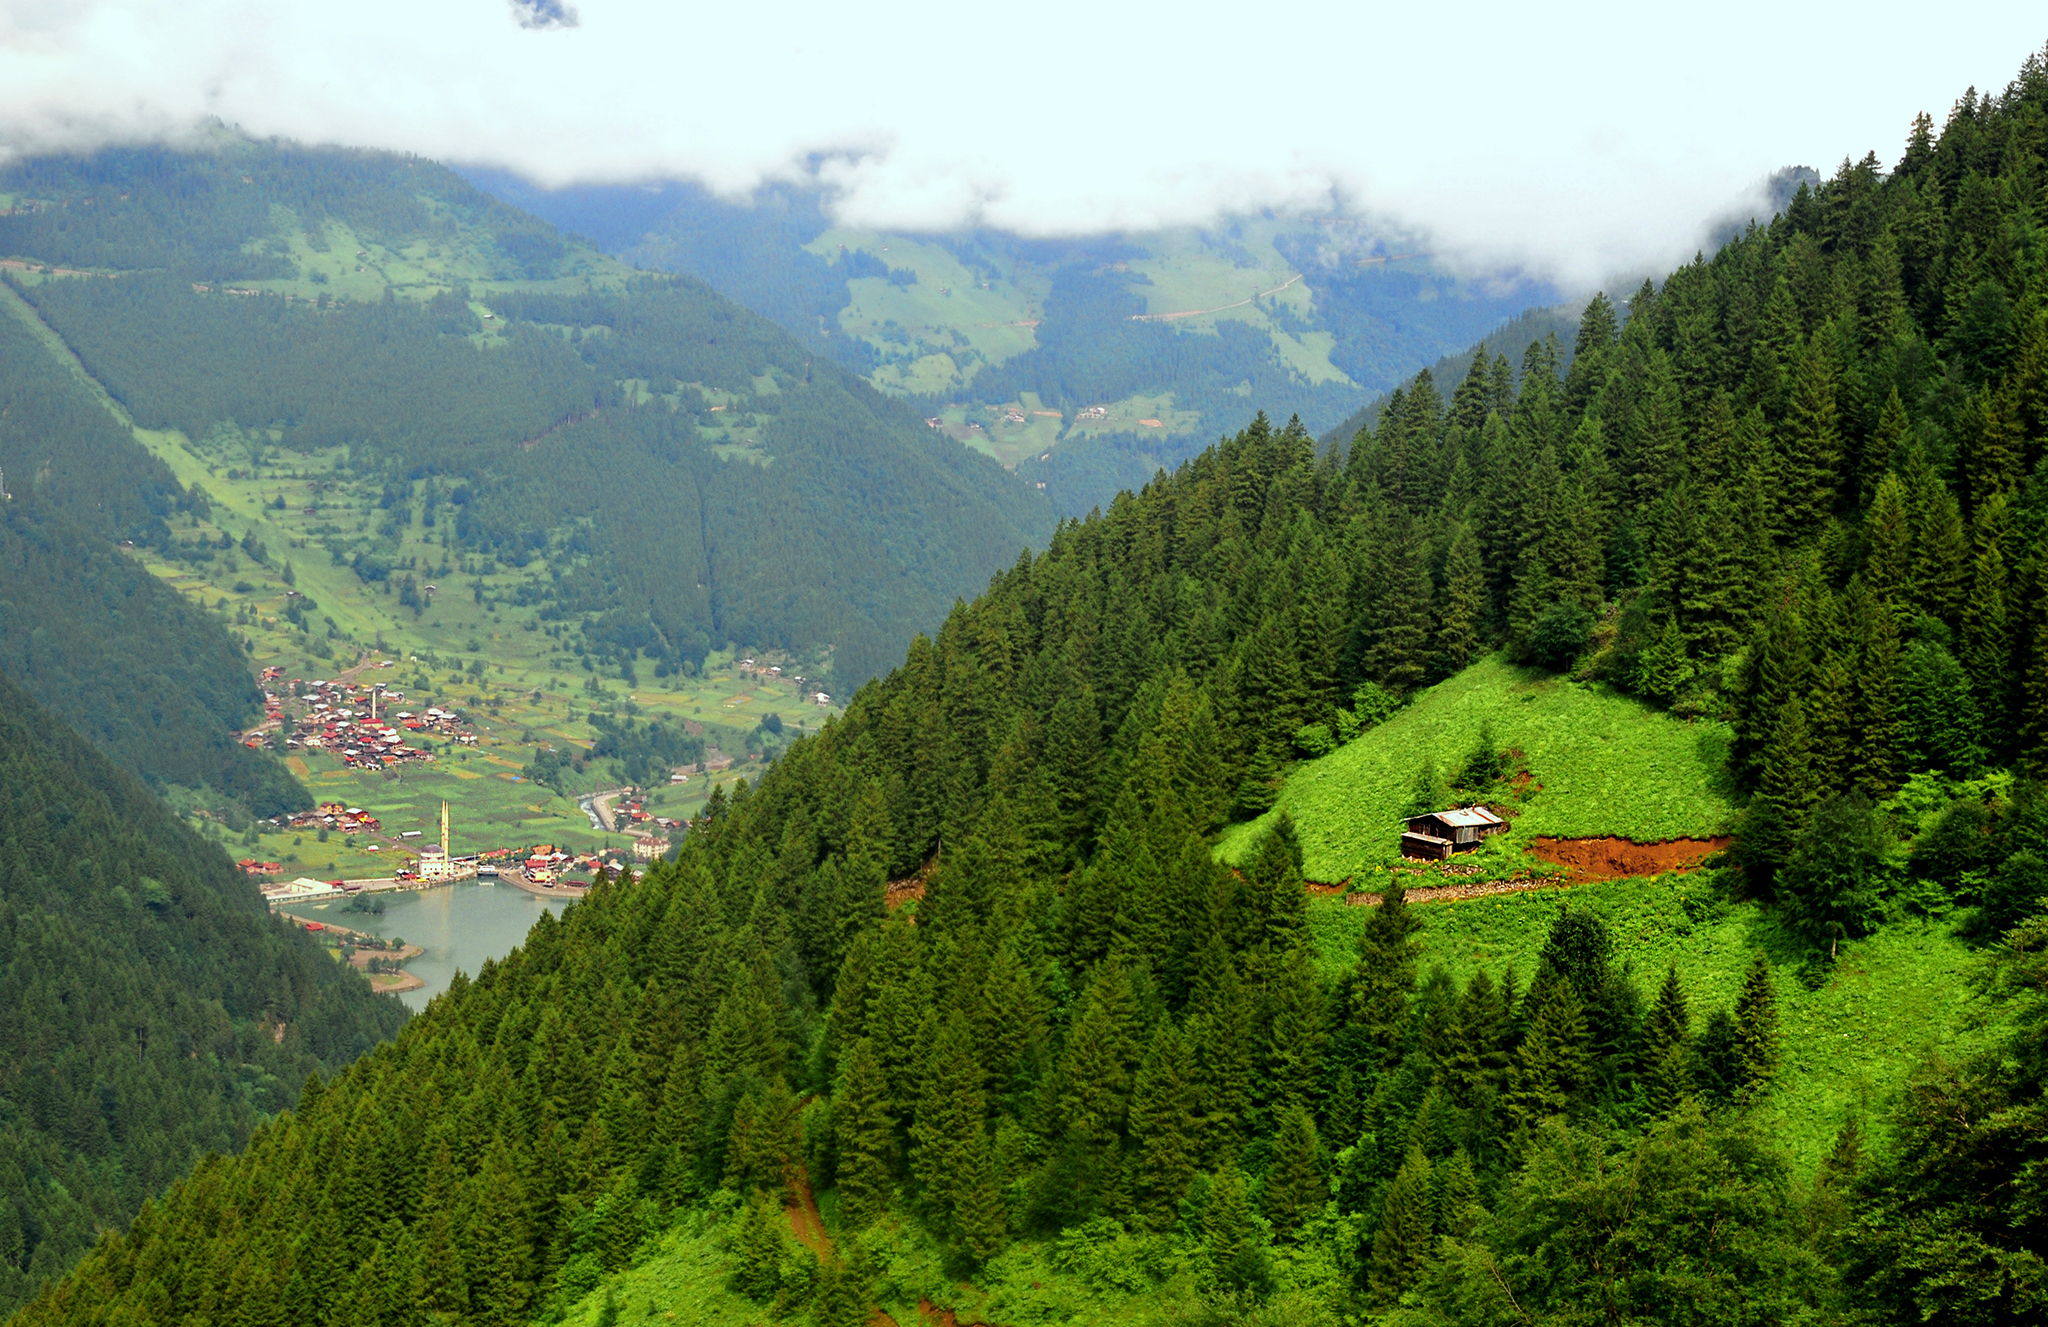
458 925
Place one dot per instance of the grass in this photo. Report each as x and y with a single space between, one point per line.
1891 1000
681 1279
1601 763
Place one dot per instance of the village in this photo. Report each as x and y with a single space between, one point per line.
343 719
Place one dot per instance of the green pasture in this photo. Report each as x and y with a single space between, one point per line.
1600 763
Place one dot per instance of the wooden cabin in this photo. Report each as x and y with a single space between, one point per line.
1438 834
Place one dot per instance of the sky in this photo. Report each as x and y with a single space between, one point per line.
1568 140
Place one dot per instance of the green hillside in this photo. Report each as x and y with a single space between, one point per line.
154 1013
1598 763
159 686
1085 364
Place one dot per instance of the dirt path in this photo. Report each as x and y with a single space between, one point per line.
805 1222
1196 313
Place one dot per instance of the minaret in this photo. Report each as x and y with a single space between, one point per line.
444 832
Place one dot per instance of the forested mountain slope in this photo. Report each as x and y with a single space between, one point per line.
154 1012
1177 335
315 299
1802 487
159 686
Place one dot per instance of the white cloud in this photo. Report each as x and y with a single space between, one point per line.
1575 142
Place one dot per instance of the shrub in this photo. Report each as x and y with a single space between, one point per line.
1560 636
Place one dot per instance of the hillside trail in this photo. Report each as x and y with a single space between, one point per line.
805 1221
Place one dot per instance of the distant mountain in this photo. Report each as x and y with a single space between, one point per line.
1085 363
154 1012
381 314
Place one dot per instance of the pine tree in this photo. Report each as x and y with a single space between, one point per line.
1096 1072
1456 1195
1277 905
1664 668
1875 708
1809 443
1402 1244
1429 792
947 1138
863 1137
1476 1060
1888 567
1461 610
1384 978
1295 1190
1757 1034
1666 1046
1987 627
1163 1126
1941 554
1232 1240
1553 1065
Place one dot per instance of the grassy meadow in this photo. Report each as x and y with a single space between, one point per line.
1600 763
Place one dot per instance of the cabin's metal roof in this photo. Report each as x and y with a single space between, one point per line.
1461 816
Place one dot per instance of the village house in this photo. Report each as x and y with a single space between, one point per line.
1435 835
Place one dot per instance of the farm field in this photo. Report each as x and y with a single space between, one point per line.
1599 763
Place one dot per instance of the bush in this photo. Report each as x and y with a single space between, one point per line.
2013 893
1560 636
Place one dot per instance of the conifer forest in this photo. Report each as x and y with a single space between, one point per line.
1010 995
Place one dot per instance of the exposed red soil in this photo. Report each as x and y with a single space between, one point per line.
1619 859
935 1316
900 892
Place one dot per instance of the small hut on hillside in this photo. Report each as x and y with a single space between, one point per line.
1435 835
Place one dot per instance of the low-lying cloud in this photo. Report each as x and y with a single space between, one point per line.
1575 145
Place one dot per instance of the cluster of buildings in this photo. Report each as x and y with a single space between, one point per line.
772 672
358 724
332 816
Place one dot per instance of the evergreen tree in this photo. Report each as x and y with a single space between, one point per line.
1164 1128
1666 1047
1829 888
863 1137
1294 1190
1384 978
1235 1247
1810 442
1757 1034
1553 1066
1402 1243
1461 606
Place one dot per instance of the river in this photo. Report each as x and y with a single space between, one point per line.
458 925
